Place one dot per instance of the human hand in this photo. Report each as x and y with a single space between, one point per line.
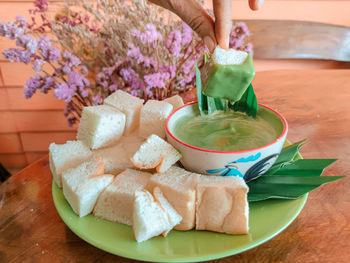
212 32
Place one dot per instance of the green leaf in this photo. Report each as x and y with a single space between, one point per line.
303 167
285 187
247 104
289 153
202 99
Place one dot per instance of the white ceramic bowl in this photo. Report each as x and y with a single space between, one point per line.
248 164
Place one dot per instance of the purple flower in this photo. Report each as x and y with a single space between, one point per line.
186 34
188 66
135 53
84 70
171 69
173 42
156 80
150 34
32 84
83 92
22 21
16 54
63 91
133 92
41 6
96 100
75 78
101 80
71 59
49 82
44 45
11 30
131 78
113 87
54 54
27 42
37 64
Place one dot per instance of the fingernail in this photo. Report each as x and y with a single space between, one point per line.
208 41
259 4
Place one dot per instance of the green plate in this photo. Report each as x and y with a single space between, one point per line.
266 220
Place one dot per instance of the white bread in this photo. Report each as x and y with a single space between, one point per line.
173 217
129 105
116 158
155 153
116 202
176 101
229 56
153 116
179 188
83 184
222 204
101 126
65 156
149 219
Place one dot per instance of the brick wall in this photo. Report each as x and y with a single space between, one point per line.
28 126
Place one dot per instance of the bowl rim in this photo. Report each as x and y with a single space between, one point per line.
285 130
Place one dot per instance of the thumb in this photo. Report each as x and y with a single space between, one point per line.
193 14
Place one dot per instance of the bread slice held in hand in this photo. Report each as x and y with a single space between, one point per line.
129 105
222 204
101 126
155 153
65 156
173 217
179 188
149 218
83 184
116 202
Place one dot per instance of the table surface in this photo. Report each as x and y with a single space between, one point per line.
316 104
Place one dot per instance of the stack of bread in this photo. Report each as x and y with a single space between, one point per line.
121 169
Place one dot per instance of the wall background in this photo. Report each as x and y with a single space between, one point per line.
28 126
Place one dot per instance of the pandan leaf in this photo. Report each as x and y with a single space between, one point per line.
202 99
285 187
288 154
247 104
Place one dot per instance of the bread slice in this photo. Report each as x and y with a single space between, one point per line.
229 56
83 184
65 156
101 126
129 105
153 116
179 188
222 204
176 101
173 217
155 153
149 219
116 201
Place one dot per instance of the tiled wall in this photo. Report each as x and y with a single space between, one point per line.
28 126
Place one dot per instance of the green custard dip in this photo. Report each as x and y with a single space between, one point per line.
228 131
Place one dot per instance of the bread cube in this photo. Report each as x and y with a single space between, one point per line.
101 126
129 105
153 116
65 156
179 188
176 101
149 218
173 217
83 184
222 204
116 201
155 153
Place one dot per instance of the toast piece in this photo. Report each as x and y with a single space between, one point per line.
179 188
83 184
173 217
176 101
116 201
101 126
152 118
65 156
155 153
149 219
129 105
116 158
222 204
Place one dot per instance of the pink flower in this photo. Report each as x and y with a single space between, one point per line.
31 86
37 64
173 42
156 80
63 91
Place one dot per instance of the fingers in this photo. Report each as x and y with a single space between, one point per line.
195 16
223 23
255 4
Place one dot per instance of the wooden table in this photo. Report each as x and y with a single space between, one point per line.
316 104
